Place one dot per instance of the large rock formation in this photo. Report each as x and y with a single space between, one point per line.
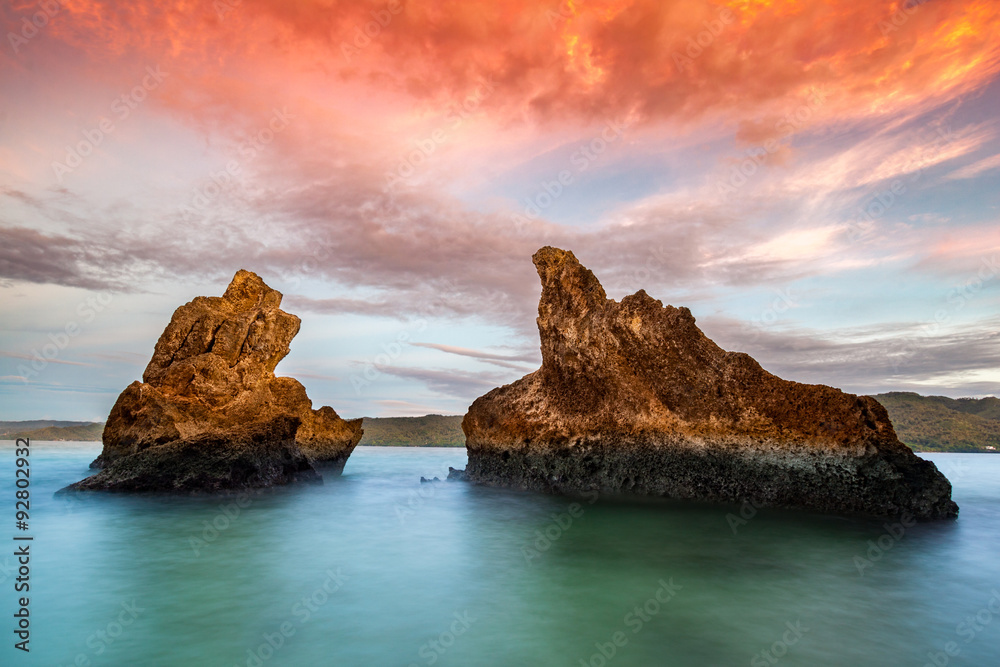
633 398
211 382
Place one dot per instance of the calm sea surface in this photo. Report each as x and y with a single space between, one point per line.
376 568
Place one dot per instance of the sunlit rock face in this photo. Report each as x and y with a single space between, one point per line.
211 381
632 398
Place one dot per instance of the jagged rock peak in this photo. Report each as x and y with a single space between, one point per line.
245 327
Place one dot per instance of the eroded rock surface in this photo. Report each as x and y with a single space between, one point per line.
211 382
245 457
633 398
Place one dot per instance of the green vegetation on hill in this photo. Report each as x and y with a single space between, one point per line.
426 431
8 429
941 424
78 431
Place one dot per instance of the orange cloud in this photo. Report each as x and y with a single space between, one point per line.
575 59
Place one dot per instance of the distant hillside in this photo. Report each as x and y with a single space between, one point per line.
8 429
940 424
427 431
51 430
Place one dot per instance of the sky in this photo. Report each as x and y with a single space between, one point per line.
815 179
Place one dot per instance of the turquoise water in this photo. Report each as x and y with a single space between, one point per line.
377 569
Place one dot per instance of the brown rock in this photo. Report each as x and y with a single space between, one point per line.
633 398
260 454
212 372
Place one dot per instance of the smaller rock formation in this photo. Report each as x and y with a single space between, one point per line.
255 456
209 397
632 398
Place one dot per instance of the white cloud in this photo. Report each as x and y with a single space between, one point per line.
976 168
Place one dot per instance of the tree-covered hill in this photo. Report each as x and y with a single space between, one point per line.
941 424
426 431
51 430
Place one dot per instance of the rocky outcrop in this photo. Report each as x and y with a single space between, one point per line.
632 398
211 382
244 457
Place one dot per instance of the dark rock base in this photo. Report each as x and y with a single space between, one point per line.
254 457
331 467
874 485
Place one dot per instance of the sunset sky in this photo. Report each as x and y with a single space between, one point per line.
816 180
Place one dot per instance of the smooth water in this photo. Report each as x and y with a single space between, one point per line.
376 568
